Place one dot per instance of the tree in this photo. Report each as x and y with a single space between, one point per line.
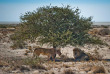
57 26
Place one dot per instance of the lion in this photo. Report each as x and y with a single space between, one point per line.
80 55
50 52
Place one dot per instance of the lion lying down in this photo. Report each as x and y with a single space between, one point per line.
50 52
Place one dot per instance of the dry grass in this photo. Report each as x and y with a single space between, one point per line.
68 72
3 63
66 66
96 56
93 32
34 63
38 66
64 57
98 69
104 31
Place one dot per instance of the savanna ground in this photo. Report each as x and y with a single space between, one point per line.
16 61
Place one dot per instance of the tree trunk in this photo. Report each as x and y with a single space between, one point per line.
54 46
53 58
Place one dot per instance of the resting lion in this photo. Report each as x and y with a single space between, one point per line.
80 55
50 52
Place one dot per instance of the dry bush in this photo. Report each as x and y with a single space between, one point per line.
93 32
105 26
64 57
68 72
30 48
24 68
52 73
26 52
49 73
92 57
104 31
18 45
13 64
66 66
95 56
13 47
33 61
98 69
38 66
16 63
3 63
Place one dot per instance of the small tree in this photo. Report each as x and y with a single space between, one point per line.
57 26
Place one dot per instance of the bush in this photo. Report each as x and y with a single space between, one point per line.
34 63
18 44
96 40
104 31
105 26
3 26
98 69
68 72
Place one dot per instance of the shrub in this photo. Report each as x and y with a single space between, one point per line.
3 26
104 31
105 26
32 61
3 63
98 69
68 72
96 40
18 44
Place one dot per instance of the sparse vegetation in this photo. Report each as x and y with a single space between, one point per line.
18 44
38 66
68 72
8 26
98 69
3 63
57 27
32 61
3 26
104 31
96 40
105 26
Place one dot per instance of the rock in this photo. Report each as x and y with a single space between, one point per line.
35 72
24 68
15 71
87 69
82 72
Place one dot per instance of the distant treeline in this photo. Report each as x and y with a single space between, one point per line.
100 26
14 25
8 25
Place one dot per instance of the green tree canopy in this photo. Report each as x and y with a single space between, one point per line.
57 26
